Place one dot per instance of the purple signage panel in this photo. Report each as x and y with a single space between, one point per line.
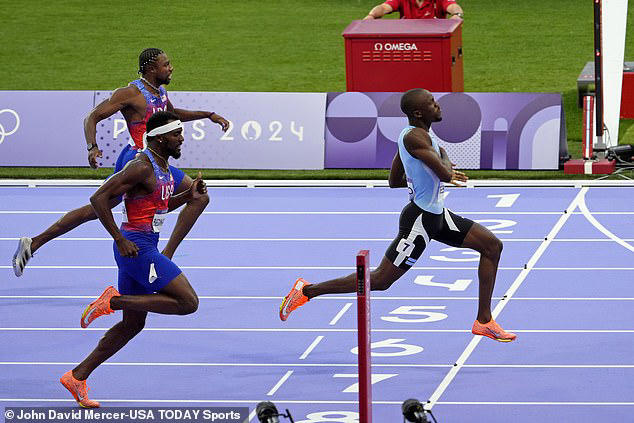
268 131
43 128
478 130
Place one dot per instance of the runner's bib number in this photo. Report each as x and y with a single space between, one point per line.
157 221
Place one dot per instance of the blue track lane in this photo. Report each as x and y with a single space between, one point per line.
572 311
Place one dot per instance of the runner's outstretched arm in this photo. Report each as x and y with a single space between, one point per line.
188 115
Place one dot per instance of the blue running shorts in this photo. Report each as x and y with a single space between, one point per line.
148 272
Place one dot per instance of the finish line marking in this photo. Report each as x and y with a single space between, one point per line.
475 340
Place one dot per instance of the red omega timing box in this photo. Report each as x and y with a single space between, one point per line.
400 54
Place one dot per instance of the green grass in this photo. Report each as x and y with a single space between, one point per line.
85 173
284 45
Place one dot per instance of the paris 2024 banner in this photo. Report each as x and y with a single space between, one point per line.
478 130
288 130
268 130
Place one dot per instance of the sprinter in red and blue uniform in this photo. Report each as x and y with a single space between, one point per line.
153 103
136 102
148 280
143 216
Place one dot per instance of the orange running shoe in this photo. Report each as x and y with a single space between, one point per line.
294 299
79 390
99 307
492 330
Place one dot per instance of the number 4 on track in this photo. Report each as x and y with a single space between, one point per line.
458 285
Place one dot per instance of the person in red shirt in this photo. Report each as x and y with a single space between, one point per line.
418 9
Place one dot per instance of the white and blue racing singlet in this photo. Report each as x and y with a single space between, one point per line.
425 188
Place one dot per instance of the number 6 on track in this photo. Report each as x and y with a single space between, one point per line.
393 344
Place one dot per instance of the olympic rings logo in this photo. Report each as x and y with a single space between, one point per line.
3 132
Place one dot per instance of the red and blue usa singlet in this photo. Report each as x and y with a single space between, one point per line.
146 213
153 104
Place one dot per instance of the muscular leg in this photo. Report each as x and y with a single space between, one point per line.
489 246
68 222
76 217
112 341
178 297
380 279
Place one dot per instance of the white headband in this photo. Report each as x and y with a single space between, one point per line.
168 127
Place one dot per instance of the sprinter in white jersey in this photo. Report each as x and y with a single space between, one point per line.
422 166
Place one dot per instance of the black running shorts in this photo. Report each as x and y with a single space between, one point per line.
417 227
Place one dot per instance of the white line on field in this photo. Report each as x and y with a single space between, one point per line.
280 383
340 314
311 347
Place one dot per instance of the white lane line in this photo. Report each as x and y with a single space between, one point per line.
574 331
237 239
68 267
275 239
554 366
310 401
354 365
233 364
617 213
235 212
573 299
307 212
267 267
280 383
180 401
36 329
197 267
504 366
239 212
588 239
38 212
584 209
475 340
340 314
583 268
534 403
275 298
311 347
12 239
